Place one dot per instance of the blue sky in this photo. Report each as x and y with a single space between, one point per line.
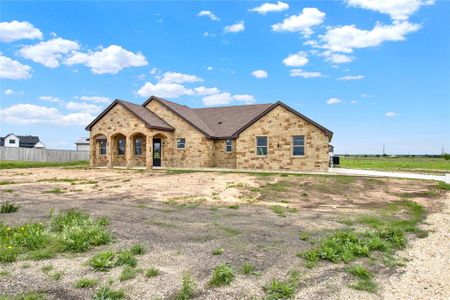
373 72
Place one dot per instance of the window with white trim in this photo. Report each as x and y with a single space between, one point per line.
228 145
298 145
181 143
261 145
12 141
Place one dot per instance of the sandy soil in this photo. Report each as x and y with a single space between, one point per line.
182 218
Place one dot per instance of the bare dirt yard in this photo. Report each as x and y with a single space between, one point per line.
112 234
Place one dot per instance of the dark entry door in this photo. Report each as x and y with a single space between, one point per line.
157 152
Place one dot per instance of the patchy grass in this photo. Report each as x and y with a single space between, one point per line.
55 191
152 272
7 191
397 163
137 249
107 293
222 275
188 287
56 275
247 268
72 181
127 273
383 235
84 283
6 182
304 236
103 261
47 268
443 186
8 207
282 289
70 231
126 257
365 278
234 206
281 210
218 251
230 231
10 164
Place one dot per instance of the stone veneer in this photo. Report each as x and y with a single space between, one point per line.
279 125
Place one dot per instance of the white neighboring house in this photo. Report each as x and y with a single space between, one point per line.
22 141
11 140
82 144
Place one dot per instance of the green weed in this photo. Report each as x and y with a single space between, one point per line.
187 288
152 272
8 207
222 275
84 283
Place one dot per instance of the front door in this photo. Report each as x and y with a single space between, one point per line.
157 152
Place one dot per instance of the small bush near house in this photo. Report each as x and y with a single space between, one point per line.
8 207
187 289
84 283
106 293
222 275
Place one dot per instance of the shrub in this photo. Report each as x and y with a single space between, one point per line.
222 275
187 288
103 261
83 283
8 207
152 272
127 273
126 257
106 293
137 249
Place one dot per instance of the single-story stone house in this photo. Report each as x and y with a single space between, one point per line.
161 133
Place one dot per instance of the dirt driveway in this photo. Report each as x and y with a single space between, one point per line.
182 218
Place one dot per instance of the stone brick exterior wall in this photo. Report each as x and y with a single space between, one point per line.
279 126
223 159
199 151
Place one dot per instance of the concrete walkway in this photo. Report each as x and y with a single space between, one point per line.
341 171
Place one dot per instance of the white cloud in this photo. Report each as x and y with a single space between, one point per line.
270 7
296 60
49 53
175 77
204 91
247 99
209 14
351 77
367 96
397 10
170 90
155 71
83 107
237 27
96 99
50 99
346 38
303 22
334 101
25 114
260 74
390 114
15 30
12 69
304 74
227 98
209 68
8 92
108 60
337 58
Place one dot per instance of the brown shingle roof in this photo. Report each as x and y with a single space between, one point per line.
227 121
149 118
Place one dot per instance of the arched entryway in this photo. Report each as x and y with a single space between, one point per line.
118 150
138 150
98 153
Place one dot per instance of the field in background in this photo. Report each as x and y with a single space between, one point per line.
410 164
17 164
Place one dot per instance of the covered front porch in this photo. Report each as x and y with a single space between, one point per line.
135 150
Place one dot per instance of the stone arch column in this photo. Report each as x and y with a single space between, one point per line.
129 151
109 151
149 152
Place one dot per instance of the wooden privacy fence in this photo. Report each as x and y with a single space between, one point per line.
44 155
